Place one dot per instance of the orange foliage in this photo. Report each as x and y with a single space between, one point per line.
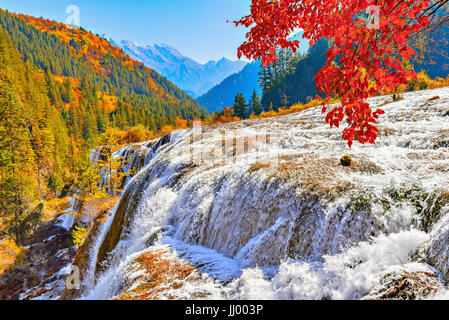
105 206
55 206
226 115
293 109
8 254
180 123
166 130
223 117
138 134
433 83
109 103
91 46
114 134
424 82
156 89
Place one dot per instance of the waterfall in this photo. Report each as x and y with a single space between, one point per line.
262 209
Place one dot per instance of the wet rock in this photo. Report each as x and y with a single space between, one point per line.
437 250
36 273
406 286
126 208
83 257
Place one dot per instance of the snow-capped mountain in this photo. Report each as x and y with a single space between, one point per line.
189 75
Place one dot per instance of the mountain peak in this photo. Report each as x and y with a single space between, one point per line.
186 73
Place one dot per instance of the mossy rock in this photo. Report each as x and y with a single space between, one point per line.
406 286
428 204
346 161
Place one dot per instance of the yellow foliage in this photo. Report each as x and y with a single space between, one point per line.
79 235
109 102
138 134
8 253
114 134
93 48
223 117
55 206
438 83
166 130
293 109
106 204
421 82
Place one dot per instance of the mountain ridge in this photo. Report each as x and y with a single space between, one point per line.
188 74
77 53
245 81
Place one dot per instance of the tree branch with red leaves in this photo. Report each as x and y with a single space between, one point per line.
362 61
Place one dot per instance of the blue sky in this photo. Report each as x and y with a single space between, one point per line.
197 28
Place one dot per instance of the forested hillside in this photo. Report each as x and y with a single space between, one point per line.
36 149
145 97
244 82
434 60
292 78
61 89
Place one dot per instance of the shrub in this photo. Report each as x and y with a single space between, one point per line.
79 235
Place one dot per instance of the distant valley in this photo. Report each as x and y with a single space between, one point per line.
244 82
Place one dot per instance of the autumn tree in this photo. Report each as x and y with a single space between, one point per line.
224 116
371 41
89 189
138 134
112 166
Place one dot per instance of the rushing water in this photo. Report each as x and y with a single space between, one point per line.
264 210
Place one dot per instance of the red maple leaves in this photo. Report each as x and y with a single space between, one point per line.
362 61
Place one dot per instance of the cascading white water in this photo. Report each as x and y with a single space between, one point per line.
264 208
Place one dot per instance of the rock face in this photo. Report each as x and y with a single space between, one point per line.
38 274
437 251
265 208
141 154
136 155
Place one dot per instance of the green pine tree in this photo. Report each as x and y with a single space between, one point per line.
256 105
240 108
